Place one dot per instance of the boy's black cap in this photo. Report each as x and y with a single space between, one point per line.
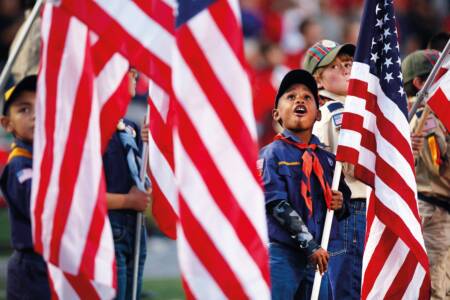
297 76
28 83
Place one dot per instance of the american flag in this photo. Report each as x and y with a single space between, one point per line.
439 100
222 234
375 137
82 92
161 162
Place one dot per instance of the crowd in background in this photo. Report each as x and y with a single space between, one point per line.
277 33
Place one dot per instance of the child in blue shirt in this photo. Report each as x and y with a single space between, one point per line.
27 276
121 163
297 175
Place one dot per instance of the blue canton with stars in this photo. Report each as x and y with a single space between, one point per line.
378 47
189 8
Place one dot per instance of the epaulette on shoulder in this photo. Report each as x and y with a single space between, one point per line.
335 105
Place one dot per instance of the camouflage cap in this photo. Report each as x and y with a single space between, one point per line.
322 53
418 63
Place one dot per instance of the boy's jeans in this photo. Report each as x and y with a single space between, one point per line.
123 226
292 277
345 265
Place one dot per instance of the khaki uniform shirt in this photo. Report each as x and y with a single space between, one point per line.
327 130
432 179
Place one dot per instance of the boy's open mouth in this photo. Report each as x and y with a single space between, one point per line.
300 110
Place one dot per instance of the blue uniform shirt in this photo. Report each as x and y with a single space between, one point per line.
117 173
281 173
15 183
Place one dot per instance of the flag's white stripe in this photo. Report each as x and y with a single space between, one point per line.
221 232
376 231
141 27
105 292
389 109
394 158
163 174
201 284
225 65
391 267
413 290
110 77
105 256
159 98
234 4
67 86
61 286
352 139
357 106
84 198
398 206
39 131
220 146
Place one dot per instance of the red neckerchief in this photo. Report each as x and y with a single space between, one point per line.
310 162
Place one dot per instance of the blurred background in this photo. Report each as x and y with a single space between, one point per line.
276 35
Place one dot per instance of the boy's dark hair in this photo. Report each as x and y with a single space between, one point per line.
409 87
438 41
26 84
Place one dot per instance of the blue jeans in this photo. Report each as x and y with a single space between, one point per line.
291 275
123 226
27 277
345 265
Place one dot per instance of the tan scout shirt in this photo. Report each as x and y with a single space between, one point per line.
433 180
327 130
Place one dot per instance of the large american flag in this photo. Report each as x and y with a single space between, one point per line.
375 137
82 92
222 234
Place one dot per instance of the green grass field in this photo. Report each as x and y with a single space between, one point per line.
155 289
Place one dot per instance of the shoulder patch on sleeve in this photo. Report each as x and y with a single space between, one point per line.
430 124
337 119
24 174
260 166
335 105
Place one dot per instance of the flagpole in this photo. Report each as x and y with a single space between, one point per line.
17 47
140 215
423 93
326 230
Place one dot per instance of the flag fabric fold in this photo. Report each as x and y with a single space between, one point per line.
375 137
203 138
82 92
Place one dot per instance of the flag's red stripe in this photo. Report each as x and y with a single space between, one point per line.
376 263
87 265
72 155
162 133
160 12
370 215
403 278
107 28
225 19
425 288
218 97
222 194
162 210
82 286
101 54
440 105
388 130
397 225
55 49
355 122
209 255
392 179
